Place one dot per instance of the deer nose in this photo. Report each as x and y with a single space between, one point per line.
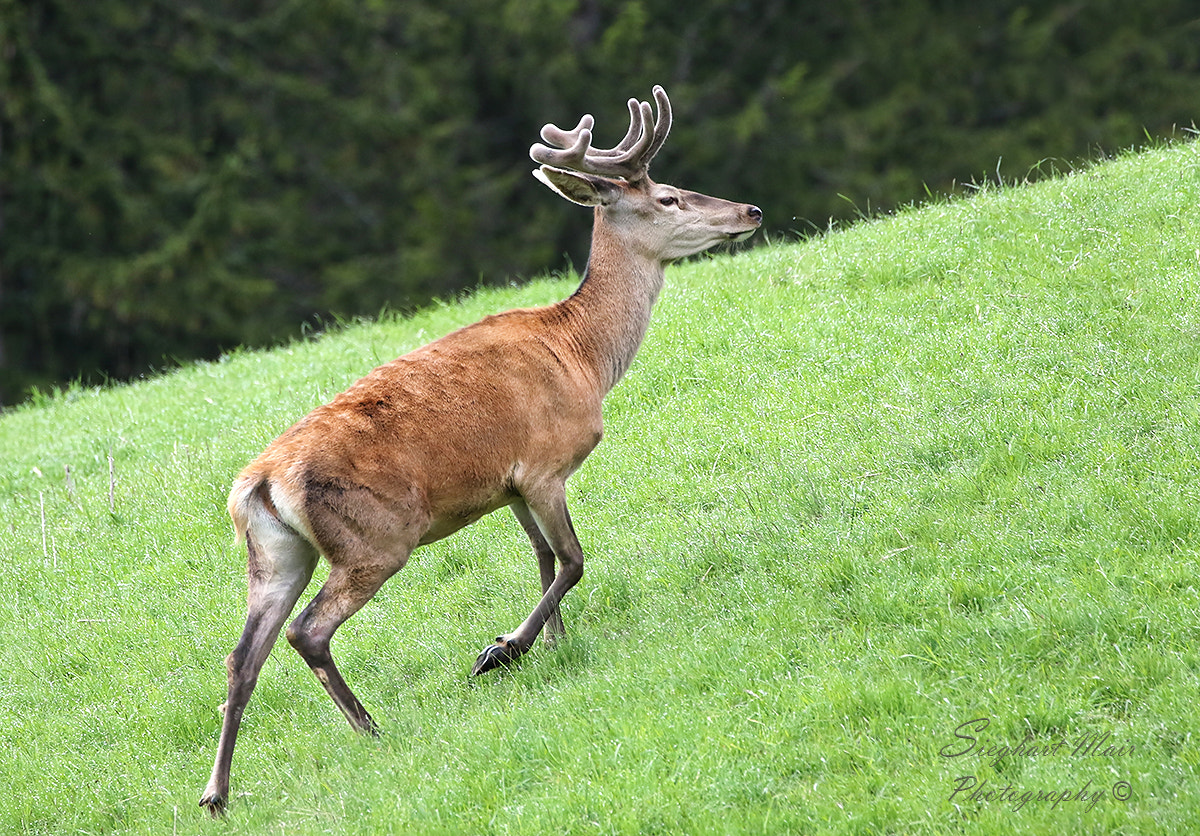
755 214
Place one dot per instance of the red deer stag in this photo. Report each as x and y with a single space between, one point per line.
497 413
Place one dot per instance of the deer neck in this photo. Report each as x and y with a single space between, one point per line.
611 309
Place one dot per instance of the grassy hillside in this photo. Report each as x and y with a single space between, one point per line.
854 494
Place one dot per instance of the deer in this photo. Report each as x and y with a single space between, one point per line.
496 414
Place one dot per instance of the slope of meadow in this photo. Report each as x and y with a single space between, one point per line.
855 493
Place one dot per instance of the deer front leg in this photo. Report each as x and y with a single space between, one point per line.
552 522
554 629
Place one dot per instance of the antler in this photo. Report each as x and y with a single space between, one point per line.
629 159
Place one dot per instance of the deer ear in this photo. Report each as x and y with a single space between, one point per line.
584 189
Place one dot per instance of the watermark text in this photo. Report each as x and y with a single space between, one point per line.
971 746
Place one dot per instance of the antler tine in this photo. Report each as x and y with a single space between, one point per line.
628 159
572 158
663 126
565 139
574 147
636 125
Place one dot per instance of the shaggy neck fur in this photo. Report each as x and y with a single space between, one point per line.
611 309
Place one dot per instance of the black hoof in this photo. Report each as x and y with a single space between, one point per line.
215 804
367 727
494 655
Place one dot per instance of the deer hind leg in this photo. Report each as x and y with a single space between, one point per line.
554 629
280 565
548 510
347 589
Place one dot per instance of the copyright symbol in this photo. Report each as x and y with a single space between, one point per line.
1122 791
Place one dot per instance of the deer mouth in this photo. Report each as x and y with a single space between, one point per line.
741 236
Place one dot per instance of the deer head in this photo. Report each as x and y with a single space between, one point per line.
659 221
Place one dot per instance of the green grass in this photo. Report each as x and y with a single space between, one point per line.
854 493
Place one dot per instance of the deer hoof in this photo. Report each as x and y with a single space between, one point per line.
214 803
503 652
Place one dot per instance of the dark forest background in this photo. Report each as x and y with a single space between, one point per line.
179 177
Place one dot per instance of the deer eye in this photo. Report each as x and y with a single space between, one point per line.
668 201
